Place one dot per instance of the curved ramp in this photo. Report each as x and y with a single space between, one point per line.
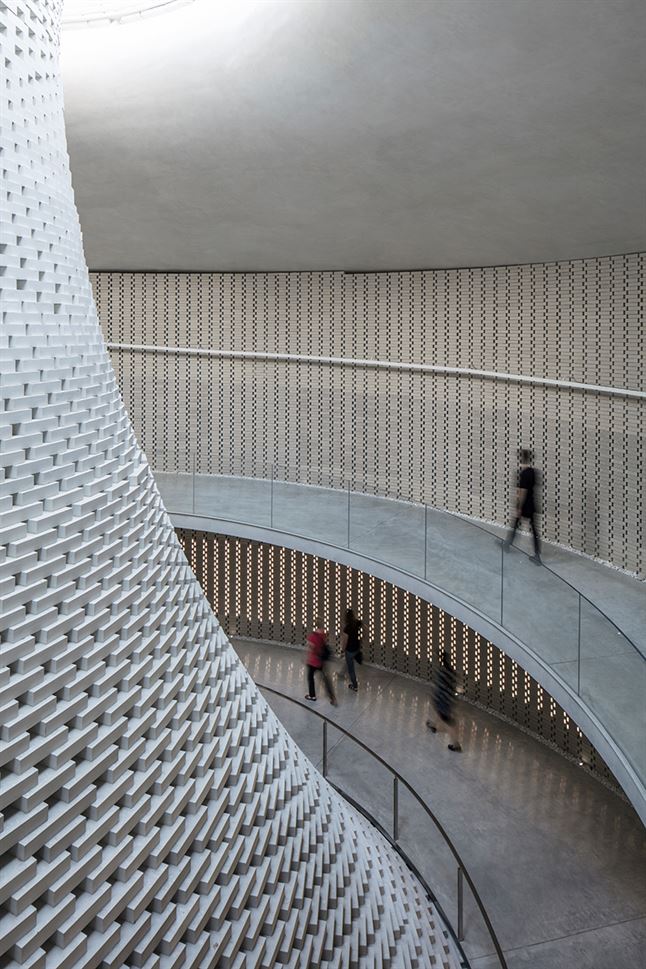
576 652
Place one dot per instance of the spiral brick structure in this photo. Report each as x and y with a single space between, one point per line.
153 811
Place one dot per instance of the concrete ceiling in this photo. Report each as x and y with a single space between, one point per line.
303 134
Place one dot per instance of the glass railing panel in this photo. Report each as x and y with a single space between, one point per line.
232 498
421 841
360 776
316 512
306 730
474 577
541 610
389 531
273 665
177 460
600 637
173 471
321 476
611 680
187 490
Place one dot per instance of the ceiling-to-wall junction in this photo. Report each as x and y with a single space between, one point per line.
359 135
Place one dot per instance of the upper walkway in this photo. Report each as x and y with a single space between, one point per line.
577 626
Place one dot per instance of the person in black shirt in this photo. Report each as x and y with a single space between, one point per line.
444 703
526 503
351 643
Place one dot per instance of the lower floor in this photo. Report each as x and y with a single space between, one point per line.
559 860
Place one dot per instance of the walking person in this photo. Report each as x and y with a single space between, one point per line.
318 654
444 703
526 504
351 644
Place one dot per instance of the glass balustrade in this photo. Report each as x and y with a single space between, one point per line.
463 559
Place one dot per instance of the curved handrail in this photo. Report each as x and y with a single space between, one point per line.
402 780
402 365
464 963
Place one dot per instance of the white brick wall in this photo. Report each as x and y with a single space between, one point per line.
448 440
153 812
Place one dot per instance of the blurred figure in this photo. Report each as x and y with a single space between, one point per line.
526 503
444 703
351 644
318 654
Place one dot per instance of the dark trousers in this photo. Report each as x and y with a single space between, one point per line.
311 670
349 662
532 525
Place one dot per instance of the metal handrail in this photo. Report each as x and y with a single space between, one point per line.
464 960
364 362
462 871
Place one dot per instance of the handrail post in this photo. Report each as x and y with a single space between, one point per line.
578 651
460 905
194 465
324 763
502 578
395 809
348 514
425 537
271 498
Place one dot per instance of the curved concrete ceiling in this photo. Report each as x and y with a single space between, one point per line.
360 135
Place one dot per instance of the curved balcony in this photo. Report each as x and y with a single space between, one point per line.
570 634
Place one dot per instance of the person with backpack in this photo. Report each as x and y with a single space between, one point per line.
351 644
318 653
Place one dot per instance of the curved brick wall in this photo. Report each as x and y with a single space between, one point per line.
153 812
446 439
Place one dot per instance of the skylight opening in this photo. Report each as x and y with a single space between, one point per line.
104 13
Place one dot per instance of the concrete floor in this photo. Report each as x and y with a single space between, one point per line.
559 860
466 561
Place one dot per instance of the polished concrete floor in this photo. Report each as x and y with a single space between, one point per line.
466 561
559 860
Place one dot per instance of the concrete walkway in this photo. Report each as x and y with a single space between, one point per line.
558 859
568 633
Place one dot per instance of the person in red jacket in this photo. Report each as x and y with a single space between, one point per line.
318 654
